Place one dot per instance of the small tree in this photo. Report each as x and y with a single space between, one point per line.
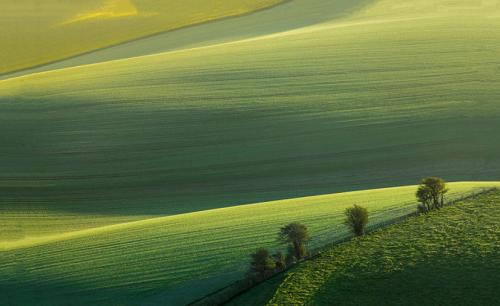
424 197
261 262
356 219
279 259
431 192
296 234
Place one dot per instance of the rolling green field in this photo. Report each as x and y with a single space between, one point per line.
176 258
342 106
449 257
36 32
127 180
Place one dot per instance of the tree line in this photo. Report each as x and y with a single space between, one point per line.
296 235
430 195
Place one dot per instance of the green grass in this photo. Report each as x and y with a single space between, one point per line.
37 32
449 257
176 258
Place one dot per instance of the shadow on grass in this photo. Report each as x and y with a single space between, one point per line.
453 280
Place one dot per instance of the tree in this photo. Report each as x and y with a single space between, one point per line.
424 197
431 192
279 259
261 262
296 234
356 219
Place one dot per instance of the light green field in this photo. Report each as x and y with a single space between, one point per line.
176 258
449 257
35 32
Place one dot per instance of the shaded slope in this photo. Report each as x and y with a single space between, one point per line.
449 257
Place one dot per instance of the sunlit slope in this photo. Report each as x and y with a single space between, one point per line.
28 222
330 108
287 15
448 257
36 32
177 258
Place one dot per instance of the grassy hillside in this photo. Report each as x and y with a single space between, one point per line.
373 102
177 258
36 32
449 257
380 99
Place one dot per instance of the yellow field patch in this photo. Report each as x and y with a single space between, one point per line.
109 9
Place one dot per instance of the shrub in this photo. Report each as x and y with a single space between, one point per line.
261 262
356 219
430 193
